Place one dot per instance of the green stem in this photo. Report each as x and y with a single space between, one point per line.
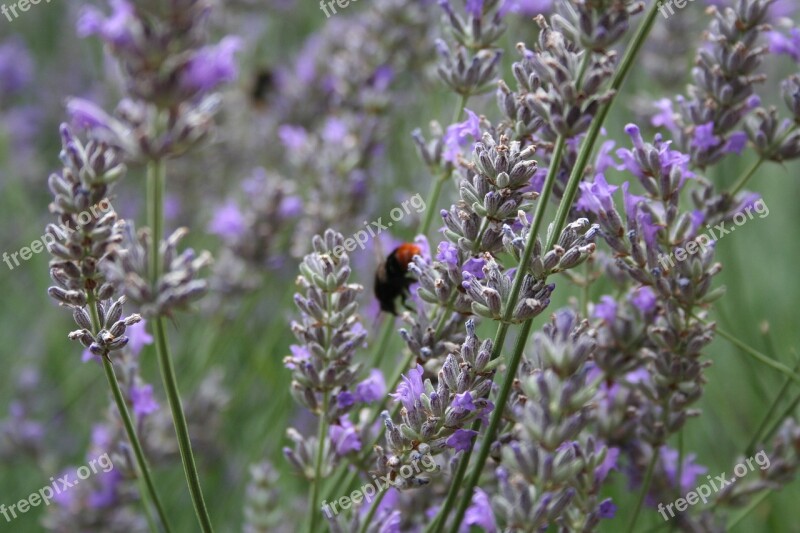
433 199
181 427
346 477
741 182
500 336
772 408
438 183
141 462
494 423
383 341
778 421
561 216
372 510
679 466
645 487
313 511
747 510
439 522
122 408
597 124
155 213
755 354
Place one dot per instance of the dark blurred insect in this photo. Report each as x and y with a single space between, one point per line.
392 279
262 85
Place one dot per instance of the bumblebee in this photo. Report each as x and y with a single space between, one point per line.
391 278
262 85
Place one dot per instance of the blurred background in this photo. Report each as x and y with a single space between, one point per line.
315 133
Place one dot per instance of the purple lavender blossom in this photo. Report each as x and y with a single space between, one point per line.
689 472
345 399
410 389
16 67
666 115
644 299
785 44
345 437
118 29
299 353
609 463
474 267
87 115
474 8
228 221
461 440
463 402
529 8
372 388
459 134
334 130
294 138
143 400
211 66
668 158
704 136
596 196
447 253
479 514
138 337
606 309
607 509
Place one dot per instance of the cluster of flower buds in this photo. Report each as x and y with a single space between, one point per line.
596 26
429 332
166 64
775 139
252 234
645 252
778 467
329 332
434 326
323 372
432 150
575 245
495 189
491 294
472 68
111 335
553 96
86 219
88 225
129 267
550 471
724 75
434 418
262 499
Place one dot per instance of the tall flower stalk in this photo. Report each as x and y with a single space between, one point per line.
77 268
170 76
526 255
